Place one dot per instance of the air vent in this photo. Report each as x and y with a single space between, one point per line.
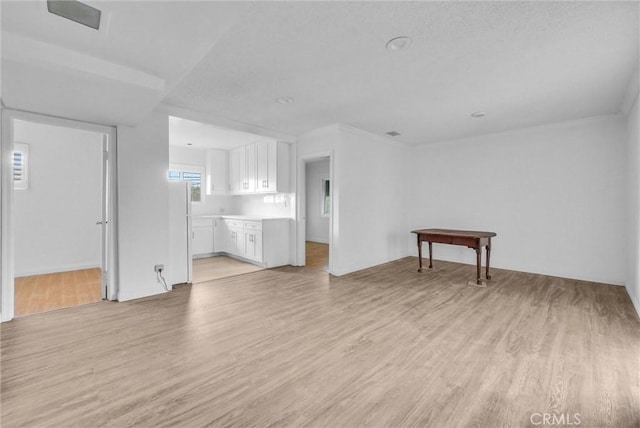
393 133
76 11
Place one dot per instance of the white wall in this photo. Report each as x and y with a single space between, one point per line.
368 194
555 195
369 182
55 219
143 195
317 223
633 192
212 204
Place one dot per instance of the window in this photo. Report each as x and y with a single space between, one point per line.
193 174
19 162
326 197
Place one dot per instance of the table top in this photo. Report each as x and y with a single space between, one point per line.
451 232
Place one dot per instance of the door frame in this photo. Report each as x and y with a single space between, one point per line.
7 290
301 233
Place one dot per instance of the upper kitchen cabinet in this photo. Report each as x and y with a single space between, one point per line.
261 167
217 172
272 167
242 170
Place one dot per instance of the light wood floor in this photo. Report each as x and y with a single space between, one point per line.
40 293
317 255
385 346
218 267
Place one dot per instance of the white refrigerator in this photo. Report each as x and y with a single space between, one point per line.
180 264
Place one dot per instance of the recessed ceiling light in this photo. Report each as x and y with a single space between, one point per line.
76 11
479 114
393 133
399 43
284 100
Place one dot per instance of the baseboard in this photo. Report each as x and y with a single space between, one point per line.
355 268
204 255
242 259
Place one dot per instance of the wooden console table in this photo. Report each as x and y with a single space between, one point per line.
467 238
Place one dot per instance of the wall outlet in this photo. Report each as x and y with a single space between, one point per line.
158 268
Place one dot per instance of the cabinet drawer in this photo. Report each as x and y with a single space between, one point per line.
253 225
234 223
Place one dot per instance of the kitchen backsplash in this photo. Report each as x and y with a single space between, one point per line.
272 205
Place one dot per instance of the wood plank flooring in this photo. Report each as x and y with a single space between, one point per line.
41 293
316 255
385 346
211 268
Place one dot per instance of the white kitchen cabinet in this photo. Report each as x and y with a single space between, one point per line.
261 167
250 171
202 237
253 240
264 242
216 171
219 235
235 183
272 167
234 241
242 170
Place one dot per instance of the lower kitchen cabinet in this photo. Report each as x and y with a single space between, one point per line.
235 237
264 242
202 237
253 240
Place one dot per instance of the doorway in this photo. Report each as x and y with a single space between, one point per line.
58 224
318 211
315 212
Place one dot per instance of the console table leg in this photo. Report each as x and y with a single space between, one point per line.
430 257
419 255
488 258
478 263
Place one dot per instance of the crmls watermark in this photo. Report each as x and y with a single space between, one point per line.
566 419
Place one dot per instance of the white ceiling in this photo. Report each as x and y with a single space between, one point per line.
116 75
524 63
198 135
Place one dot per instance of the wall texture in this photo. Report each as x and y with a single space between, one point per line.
55 219
554 194
143 211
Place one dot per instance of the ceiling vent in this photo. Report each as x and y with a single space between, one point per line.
76 11
393 133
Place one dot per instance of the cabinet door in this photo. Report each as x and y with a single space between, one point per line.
262 166
202 240
267 166
242 169
217 176
235 237
250 172
254 245
219 235
237 242
253 240
236 159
